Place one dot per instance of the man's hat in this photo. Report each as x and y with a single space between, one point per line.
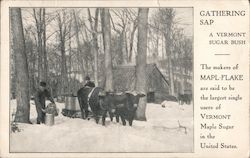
43 84
87 78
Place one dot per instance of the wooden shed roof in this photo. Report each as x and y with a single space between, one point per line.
125 76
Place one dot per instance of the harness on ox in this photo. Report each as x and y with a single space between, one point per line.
89 96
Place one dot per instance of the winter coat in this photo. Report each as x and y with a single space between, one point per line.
89 84
40 98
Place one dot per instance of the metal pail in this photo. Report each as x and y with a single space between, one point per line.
49 119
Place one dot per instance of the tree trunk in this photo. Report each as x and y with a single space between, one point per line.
79 52
124 46
94 44
62 35
22 76
141 61
106 30
40 57
162 46
95 61
69 76
157 44
63 68
95 48
182 80
168 46
38 19
45 60
170 67
33 78
131 43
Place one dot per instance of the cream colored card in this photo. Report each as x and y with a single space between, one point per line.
212 122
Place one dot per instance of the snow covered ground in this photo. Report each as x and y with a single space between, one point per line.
160 133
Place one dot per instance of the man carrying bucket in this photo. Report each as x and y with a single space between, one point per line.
40 97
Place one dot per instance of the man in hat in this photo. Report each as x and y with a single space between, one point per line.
40 97
88 82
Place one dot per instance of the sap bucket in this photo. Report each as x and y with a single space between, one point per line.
49 119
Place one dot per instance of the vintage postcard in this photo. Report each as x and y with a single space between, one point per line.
124 78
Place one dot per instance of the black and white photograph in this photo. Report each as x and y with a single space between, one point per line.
101 80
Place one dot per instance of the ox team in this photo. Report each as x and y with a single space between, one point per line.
121 105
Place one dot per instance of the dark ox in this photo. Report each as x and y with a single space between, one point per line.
125 105
93 103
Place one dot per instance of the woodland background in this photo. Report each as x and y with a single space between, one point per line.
63 45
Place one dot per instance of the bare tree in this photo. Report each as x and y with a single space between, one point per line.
31 54
167 17
81 61
125 26
21 67
94 43
106 30
131 43
187 60
121 14
141 61
39 16
155 33
131 15
45 60
62 25
178 49
69 64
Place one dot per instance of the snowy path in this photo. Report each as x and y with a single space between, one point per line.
159 134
